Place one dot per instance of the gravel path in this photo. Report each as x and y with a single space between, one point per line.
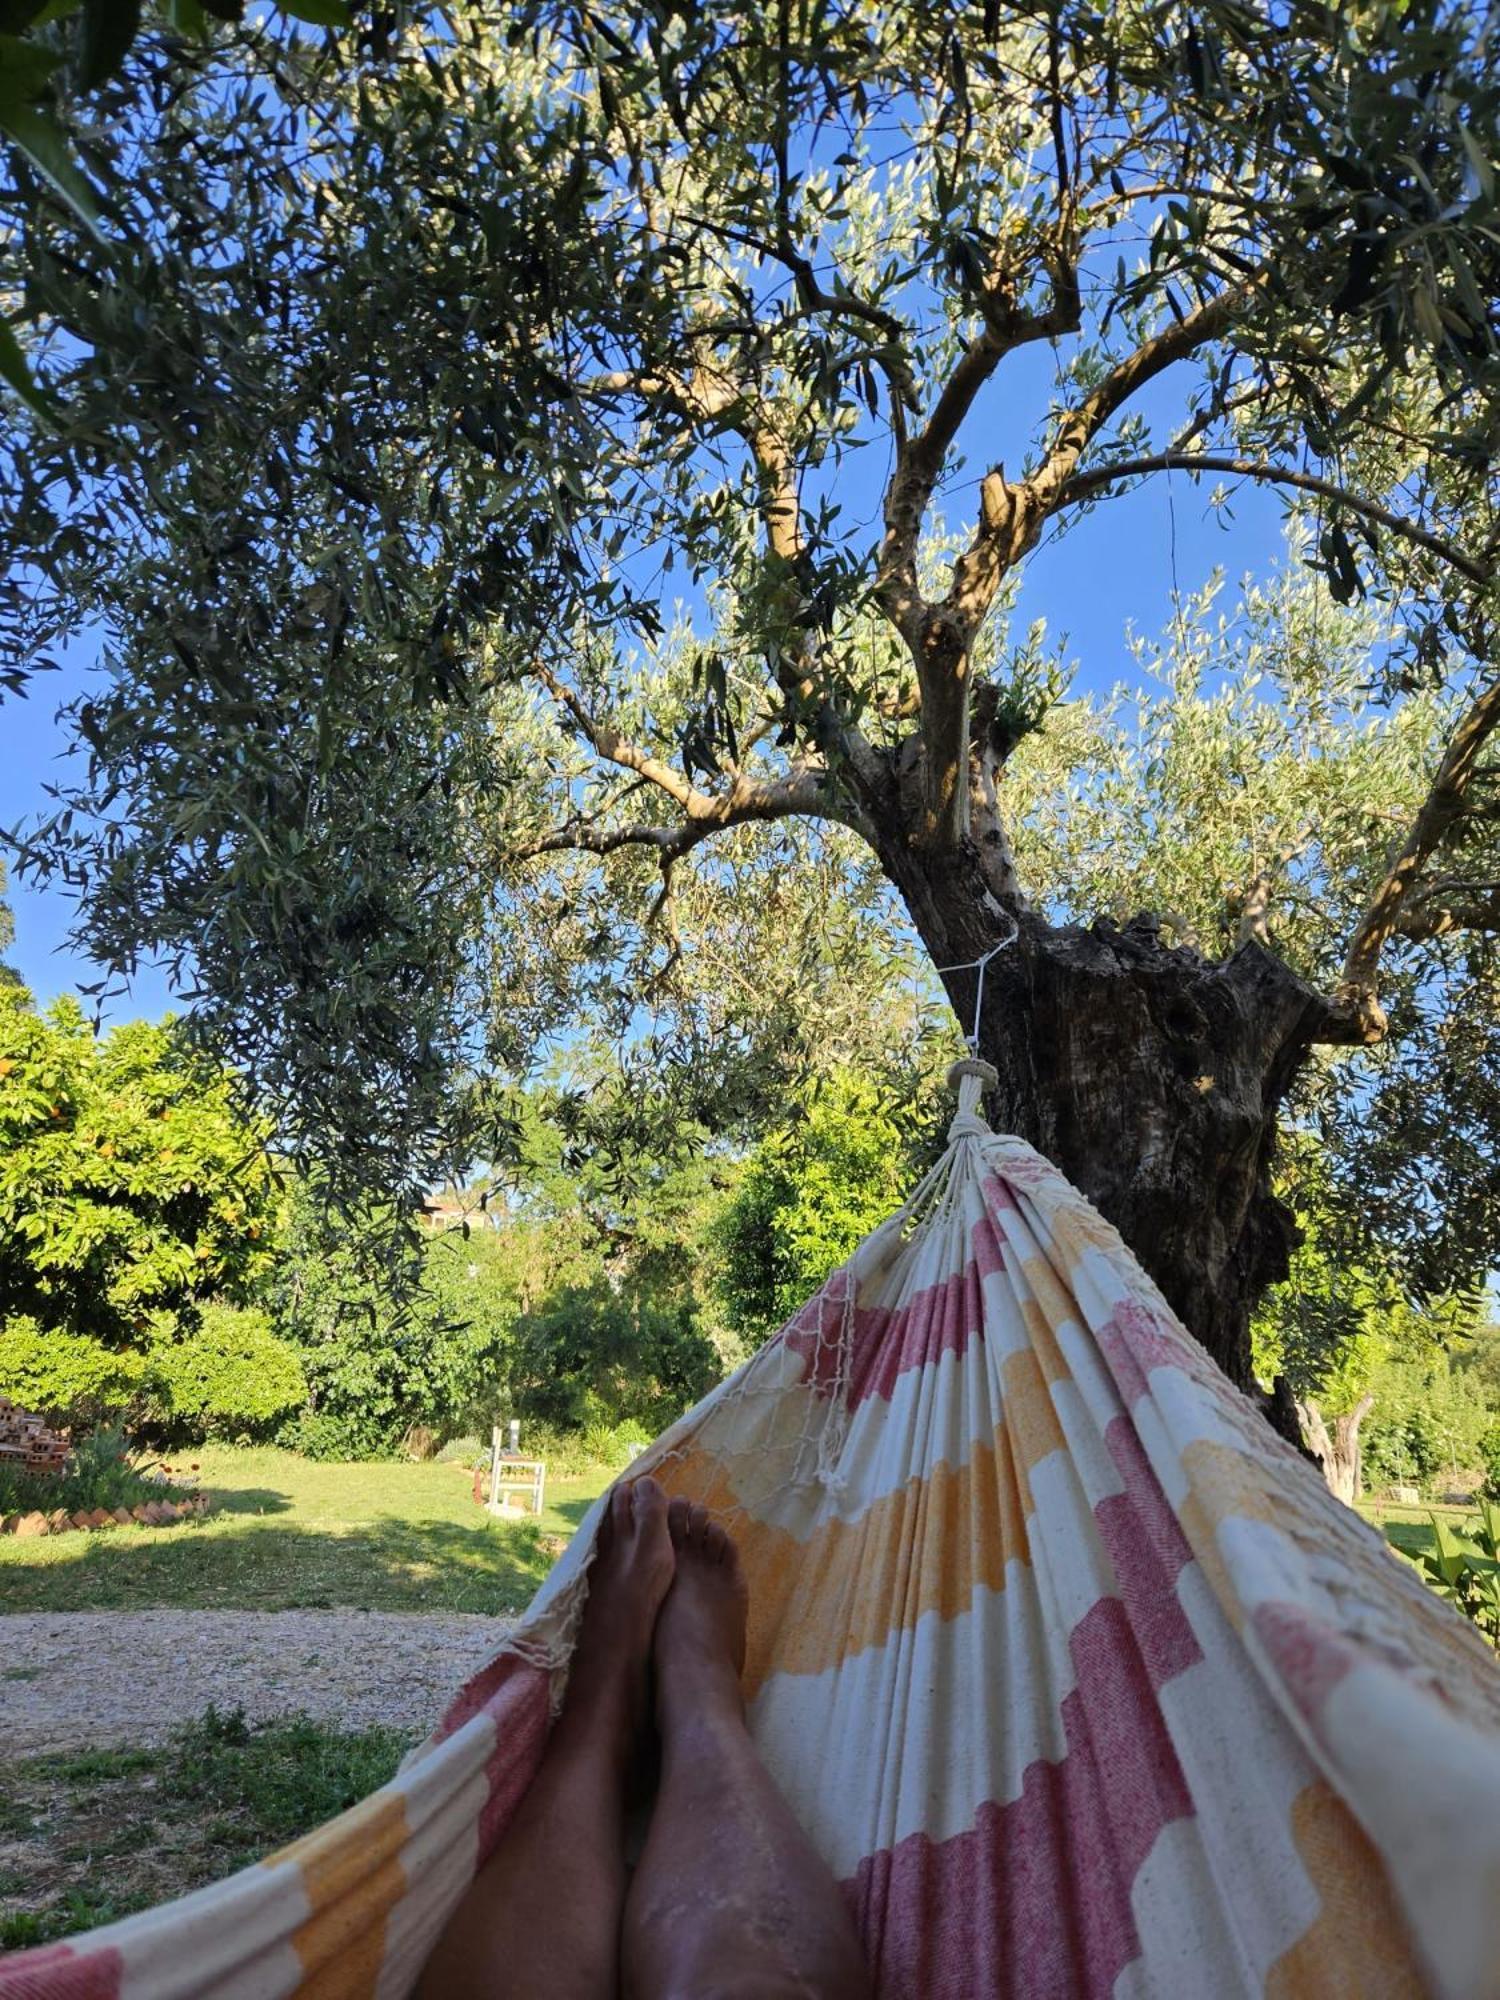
91 1678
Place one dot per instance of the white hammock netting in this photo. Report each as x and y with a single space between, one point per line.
1078 1676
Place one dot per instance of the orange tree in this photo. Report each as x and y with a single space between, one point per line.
133 1192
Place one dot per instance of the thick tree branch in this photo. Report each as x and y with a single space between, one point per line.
804 795
615 749
713 392
919 465
1010 517
704 394
937 639
1173 343
1088 485
588 838
1450 906
806 792
781 503
798 676
1358 992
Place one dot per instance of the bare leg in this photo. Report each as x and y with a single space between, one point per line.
543 1915
730 1898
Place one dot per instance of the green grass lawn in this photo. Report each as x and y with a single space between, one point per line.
287 1533
1409 1529
88 1838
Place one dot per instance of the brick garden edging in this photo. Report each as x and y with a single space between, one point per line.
150 1514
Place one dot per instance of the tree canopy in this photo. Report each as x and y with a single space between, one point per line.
129 1179
519 474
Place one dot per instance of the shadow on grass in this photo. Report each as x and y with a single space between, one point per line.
388 1564
248 1499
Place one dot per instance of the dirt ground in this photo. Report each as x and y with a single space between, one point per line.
145 1753
82 1680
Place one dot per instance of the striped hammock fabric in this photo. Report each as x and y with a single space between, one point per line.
1080 1679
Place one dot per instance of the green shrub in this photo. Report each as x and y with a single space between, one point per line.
1489 1453
811 1191
463 1451
1465 1569
612 1444
228 1376
23 1492
328 1437
597 1442
67 1377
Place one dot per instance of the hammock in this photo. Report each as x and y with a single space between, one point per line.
1078 1676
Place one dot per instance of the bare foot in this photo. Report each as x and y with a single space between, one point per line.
609 1680
700 1635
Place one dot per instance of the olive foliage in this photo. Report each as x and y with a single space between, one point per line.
457 446
1248 782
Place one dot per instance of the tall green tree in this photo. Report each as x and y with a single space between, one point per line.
377 1368
846 1160
8 975
419 377
1343 1333
133 1191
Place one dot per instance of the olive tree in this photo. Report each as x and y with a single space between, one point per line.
403 393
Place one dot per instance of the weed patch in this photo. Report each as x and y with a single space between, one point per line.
88 1838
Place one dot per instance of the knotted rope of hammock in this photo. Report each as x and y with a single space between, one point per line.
1079 1677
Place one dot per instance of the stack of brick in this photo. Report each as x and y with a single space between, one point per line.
26 1440
152 1514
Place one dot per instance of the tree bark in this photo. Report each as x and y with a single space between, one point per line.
1338 1453
1150 1075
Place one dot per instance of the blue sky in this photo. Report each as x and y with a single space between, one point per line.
1113 570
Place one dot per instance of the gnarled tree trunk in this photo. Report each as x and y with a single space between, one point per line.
1337 1452
1150 1075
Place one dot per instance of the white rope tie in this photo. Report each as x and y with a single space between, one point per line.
980 965
973 1076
